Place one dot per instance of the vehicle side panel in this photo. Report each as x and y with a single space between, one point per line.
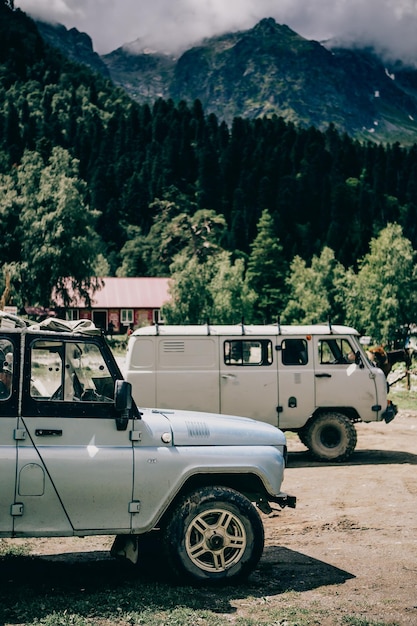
9 394
296 381
90 464
345 384
162 472
7 472
187 375
248 378
39 509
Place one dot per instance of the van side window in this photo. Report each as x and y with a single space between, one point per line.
6 369
248 352
294 352
335 352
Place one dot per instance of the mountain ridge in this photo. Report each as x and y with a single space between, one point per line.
267 70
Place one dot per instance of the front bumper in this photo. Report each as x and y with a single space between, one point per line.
283 499
390 412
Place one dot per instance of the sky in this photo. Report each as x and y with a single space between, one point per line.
174 25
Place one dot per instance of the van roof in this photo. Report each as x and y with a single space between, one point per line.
244 329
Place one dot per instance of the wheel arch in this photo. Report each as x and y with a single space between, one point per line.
248 484
348 411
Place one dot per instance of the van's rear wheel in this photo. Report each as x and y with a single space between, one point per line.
331 437
214 535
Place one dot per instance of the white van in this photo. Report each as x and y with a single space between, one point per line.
315 380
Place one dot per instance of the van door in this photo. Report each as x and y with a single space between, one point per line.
296 381
9 370
340 382
75 469
248 378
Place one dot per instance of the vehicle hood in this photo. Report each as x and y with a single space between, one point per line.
195 428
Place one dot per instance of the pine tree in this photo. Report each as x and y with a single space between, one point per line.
266 272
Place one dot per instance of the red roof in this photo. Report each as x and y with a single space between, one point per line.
128 293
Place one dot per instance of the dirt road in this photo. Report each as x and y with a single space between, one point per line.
351 543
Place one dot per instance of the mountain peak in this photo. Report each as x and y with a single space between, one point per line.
268 26
73 44
272 70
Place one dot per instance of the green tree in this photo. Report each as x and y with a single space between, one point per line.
10 207
316 293
213 290
267 270
132 254
198 235
232 298
190 301
383 294
155 251
58 243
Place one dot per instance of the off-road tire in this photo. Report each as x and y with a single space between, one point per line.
331 437
214 535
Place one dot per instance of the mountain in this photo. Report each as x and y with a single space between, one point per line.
76 46
145 75
267 70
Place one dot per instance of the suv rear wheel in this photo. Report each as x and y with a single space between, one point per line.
331 437
214 535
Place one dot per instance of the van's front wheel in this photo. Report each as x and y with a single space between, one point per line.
331 437
214 535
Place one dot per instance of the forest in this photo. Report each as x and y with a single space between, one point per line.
258 219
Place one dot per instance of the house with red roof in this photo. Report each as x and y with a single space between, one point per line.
123 303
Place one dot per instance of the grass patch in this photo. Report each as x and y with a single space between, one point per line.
404 399
40 591
63 619
360 621
10 549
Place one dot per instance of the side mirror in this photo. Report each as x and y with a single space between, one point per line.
122 403
358 359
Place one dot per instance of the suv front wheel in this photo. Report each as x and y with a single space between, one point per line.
214 534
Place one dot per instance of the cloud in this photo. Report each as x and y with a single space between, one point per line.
389 25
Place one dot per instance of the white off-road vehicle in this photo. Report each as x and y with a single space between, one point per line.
315 380
78 458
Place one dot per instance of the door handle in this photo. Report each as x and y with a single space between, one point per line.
48 432
323 375
228 376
